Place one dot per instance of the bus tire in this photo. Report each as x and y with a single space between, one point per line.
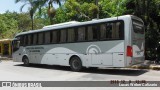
76 64
25 61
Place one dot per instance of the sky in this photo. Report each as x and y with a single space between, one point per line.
12 6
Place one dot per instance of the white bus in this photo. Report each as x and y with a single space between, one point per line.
110 42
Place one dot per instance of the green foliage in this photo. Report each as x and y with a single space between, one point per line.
148 10
7 24
82 10
61 16
76 10
43 16
12 23
112 8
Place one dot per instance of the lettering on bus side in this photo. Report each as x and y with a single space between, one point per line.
35 49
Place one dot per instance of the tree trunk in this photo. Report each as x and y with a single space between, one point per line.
96 2
51 20
137 8
32 23
31 15
147 10
144 7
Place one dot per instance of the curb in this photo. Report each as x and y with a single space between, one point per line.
2 59
152 67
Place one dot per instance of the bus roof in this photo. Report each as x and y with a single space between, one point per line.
74 23
61 24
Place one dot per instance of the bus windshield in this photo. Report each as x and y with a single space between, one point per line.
15 45
138 27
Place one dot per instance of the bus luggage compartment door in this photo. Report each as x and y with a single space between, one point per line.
118 59
102 59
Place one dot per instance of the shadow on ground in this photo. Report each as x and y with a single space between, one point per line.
111 71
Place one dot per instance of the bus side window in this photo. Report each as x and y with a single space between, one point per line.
63 36
102 31
81 34
30 39
109 30
40 38
117 30
114 31
71 35
95 30
28 36
35 39
25 40
21 40
47 38
90 33
54 37
120 26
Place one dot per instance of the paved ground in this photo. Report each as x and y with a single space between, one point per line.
14 71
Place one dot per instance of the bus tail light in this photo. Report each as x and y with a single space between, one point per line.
129 51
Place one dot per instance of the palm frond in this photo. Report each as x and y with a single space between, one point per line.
16 1
23 6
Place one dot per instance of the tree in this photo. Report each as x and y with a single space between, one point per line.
33 7
83 10
13 22
74 10
43 16
51 10
112 8
8 26
148 10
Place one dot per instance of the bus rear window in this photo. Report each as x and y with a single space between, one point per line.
138 27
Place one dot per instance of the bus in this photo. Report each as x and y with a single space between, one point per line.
110 42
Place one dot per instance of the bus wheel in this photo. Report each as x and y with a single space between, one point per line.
25 61
76 64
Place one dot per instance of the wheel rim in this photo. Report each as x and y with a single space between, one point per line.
25 61
76 64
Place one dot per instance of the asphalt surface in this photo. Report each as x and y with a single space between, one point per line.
15 71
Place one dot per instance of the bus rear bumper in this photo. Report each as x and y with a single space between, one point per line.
137 60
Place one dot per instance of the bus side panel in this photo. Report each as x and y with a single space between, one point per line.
127 40
92 54
18 55
118 55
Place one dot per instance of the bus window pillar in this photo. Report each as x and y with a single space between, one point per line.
9 49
